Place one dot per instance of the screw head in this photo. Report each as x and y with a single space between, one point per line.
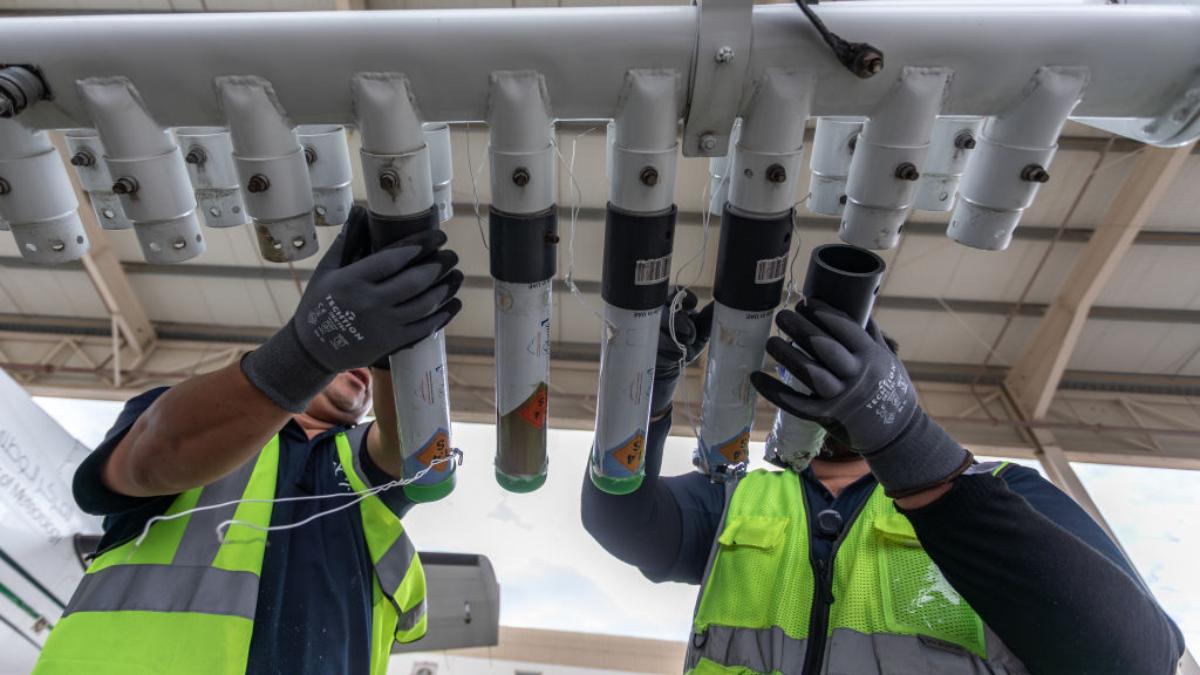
258 183
389 180
196 155
310 154
708 142
1035 173
649 176
724 54
125 186
83 158
907 171
776 173
965 141
5 188
520 176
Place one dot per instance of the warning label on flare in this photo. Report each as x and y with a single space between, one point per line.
629 455
437 448
534 409
736 449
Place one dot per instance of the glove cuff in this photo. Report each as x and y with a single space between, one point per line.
662 393
922 456
282 370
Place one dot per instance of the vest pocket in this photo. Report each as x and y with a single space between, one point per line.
749 557
917 598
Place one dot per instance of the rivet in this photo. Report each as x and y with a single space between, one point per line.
1035 173
125 186
776 173
196 155
83 158
179 244
649 176
389 180
907 171
57 245
520 176
965 140
708 142
108 213
258 183
724 54
214 212
298 242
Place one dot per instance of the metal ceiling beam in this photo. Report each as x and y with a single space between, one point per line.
1036 374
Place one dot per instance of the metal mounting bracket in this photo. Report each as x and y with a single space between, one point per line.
719 70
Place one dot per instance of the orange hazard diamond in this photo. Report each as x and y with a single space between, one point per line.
533 410
736 449
630 454
437 448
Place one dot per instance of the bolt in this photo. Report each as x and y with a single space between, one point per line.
776 173
125 186
389 180
520 176
649 176
83 158
724 54
310 155
258 183
196 155
907 171
965 140
1035 173
5 188
179 244
708 142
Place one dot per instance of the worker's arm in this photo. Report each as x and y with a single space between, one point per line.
1060 604
665 528
1046 579
353 312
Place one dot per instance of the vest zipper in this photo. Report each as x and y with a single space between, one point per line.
818 621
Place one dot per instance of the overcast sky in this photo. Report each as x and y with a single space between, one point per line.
553 576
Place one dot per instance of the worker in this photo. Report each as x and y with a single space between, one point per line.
324 590
893 552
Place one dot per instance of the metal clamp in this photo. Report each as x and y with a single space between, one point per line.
721 63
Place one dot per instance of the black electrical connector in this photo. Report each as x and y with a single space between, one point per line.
20 87
859 58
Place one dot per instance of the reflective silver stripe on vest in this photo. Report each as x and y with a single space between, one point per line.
200 544
853 653
762 650
167 588
408 620
394 564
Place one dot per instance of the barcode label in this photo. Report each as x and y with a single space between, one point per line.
770 270
652 271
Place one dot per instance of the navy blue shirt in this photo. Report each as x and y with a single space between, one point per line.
314 597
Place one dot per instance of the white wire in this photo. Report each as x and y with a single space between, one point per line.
361 496
475 189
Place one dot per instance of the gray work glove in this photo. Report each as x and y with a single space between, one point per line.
355 313
862 396
692 328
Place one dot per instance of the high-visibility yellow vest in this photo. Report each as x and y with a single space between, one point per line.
183 602
884 605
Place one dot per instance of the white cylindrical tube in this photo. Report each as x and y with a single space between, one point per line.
888 157
147 169
953 140
86 154
441 167
756 235
400 204
328 159
832 149
522 377
523 221
727 410
37 199
1012 159
638 236
208 154
271 168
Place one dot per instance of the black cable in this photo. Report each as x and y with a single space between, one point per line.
859 58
